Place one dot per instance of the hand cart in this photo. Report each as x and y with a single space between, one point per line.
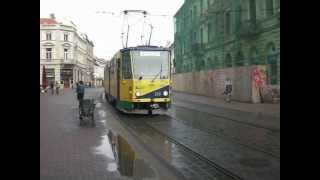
86 112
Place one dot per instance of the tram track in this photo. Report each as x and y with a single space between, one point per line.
228 118
199 156
221 172
230 138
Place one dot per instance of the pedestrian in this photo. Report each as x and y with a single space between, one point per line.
57 88
80 91
228 89
52 87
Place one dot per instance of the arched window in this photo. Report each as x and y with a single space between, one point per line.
228 22
253 58
252 10
228 60
272 63
239 59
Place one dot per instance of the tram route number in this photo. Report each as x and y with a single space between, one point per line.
157 94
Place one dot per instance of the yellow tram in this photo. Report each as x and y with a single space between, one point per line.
138 80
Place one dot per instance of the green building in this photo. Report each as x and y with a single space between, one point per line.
217 34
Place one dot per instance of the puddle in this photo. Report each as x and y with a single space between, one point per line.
112 167
102 113
128 162
98 105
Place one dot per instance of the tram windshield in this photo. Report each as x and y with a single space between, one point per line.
150 64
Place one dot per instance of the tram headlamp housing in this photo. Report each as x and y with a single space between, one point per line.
165 93
137 93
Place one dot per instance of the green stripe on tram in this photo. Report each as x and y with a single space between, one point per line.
125 105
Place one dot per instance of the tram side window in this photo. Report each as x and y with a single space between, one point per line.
126 66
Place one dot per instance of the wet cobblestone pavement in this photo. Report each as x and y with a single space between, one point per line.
245 162
68 151
191 142
249 135
254 119
71 152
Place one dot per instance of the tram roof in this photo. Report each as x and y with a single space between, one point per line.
145 48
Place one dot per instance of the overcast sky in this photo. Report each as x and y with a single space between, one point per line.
105 29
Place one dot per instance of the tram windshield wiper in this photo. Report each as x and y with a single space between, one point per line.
159 73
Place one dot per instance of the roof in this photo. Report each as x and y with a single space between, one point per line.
48 21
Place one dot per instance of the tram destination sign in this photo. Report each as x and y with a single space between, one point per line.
149 53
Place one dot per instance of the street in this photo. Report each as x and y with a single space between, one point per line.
193 140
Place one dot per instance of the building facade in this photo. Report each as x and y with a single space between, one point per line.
99 71
230 35
221 34
66 54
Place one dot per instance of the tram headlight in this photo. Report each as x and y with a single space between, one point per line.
137 93
165 93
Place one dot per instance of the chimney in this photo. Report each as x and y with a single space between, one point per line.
52 16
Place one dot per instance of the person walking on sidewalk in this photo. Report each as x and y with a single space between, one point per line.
57 88
228 89
52 88
80 91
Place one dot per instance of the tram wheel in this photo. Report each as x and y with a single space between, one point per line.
149 112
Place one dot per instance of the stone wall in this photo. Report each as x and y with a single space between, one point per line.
211 83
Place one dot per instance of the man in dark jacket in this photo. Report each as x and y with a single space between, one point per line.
80 91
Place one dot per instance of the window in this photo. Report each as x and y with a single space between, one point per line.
239 59
209 31
216 62
273 64
201 6
252 10
49 53
269 8
201 35
48 36
66 37
228 60
194 37
228 23
253 60
150 64
66 54
126 66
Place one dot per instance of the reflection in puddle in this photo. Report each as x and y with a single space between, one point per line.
127 161
105 148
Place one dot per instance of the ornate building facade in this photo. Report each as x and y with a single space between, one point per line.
66 54
219 34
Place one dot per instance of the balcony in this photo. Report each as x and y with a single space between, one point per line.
249 29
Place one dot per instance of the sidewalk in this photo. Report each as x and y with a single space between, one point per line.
68 151
263 109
